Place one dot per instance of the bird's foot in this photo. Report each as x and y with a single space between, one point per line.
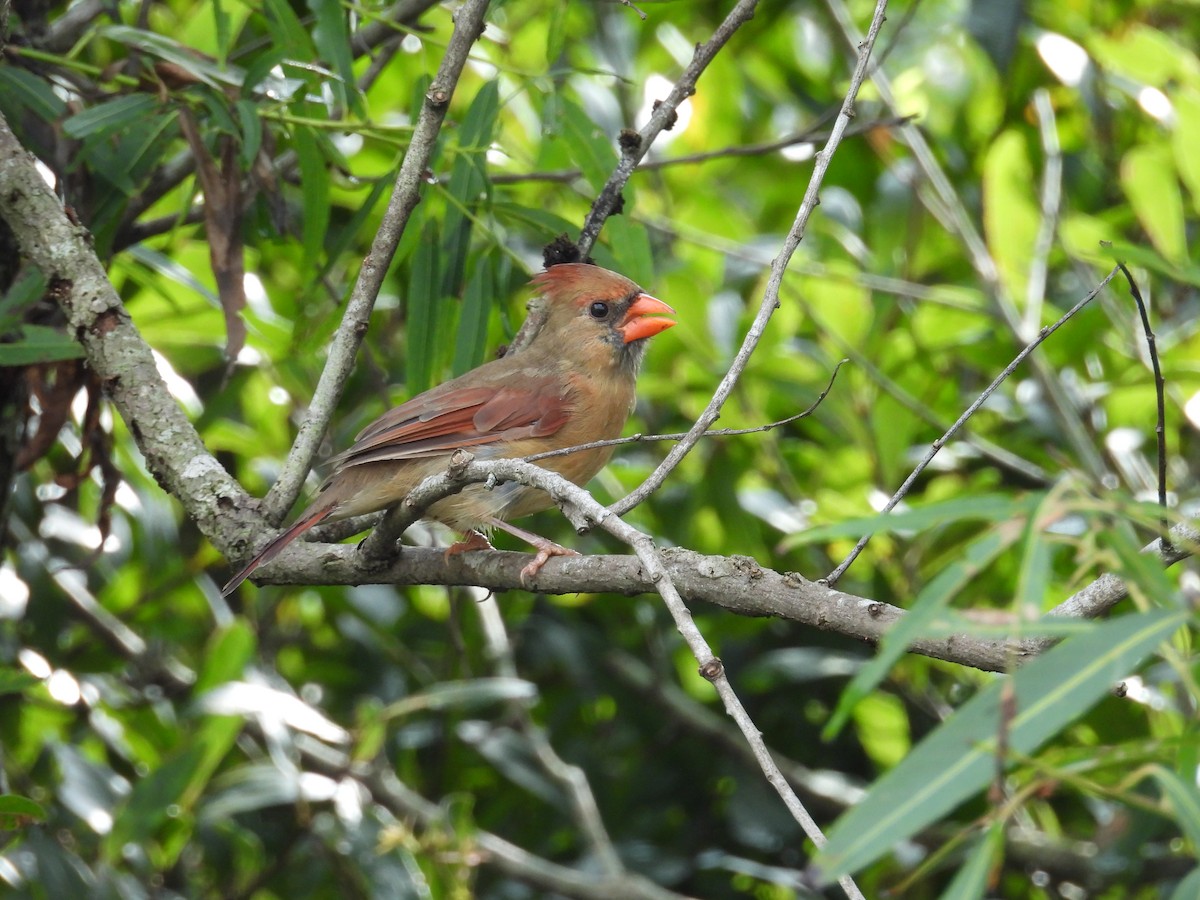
545 548
472 540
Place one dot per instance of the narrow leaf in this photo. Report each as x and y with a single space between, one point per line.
471 339
332 37
972 879
315 186
468 179
17 811
1185 802
958 759
421 306
930 601
31 92
587 146
39 344
985 508
111 116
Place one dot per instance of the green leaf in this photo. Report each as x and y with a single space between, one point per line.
462 695
172 51
225 659
221 27
14 681
1184 798
468 179
984 508
111 116
17 812
588 147
338 242
972 879
314 185
471 339
174 787
547 223
1011 215
958 759
288 32
39 344
630 244
1036 558
929 602
422 308
23 293
332 37
31 92
251 130
1189 887
1153 190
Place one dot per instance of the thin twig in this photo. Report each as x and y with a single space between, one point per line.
937 445
629 3
680 435
565 176
1160 429
948 208
633 151
770 301
572 779
580 507
468 25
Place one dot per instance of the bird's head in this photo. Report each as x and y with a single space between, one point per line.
599 313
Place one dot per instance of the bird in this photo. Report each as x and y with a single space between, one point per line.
574 383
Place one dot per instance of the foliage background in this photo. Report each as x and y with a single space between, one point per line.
172 741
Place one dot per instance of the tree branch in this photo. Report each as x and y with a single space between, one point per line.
770 301
116 351
633 151
468 26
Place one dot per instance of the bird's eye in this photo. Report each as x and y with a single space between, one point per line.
598 310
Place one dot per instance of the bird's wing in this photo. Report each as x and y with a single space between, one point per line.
445 419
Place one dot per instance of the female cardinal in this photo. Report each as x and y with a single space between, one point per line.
572 385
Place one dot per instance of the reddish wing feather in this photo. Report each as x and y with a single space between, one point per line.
442 421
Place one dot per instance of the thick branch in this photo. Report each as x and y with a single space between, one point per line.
174 453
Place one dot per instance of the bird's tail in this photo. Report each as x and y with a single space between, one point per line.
269 552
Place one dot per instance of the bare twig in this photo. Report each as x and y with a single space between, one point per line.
811 136
1160 428
633 151
468 25
680 435
937 445
949 209
571 778
770 301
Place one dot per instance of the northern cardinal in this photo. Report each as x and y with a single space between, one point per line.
572 385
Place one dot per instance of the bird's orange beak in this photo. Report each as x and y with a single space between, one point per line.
636 325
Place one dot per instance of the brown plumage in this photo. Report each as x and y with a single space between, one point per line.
572 385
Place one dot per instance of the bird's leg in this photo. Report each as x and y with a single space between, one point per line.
472 540
545 548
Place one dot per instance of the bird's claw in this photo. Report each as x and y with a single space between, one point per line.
545 551
472 540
